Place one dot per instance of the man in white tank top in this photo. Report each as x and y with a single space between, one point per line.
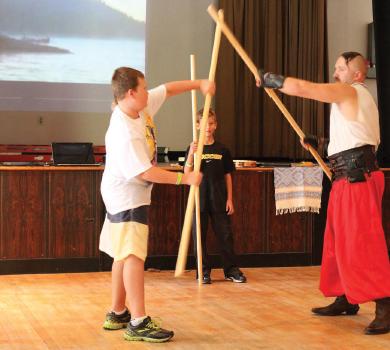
355 263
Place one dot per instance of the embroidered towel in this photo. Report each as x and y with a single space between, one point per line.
298 189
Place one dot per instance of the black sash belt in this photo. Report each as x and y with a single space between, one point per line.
354 163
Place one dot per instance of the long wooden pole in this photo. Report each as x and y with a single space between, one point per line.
271 93
184 242
197 198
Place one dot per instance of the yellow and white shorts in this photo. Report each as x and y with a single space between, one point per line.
126 233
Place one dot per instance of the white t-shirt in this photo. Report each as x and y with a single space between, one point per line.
130 151
346 134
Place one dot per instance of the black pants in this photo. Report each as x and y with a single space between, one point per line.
220 223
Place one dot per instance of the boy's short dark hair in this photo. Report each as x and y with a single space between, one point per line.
199 115
124 79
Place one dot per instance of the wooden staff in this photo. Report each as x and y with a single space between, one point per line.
271 93
197 199
183 248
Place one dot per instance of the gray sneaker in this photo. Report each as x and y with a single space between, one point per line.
148 330
114 321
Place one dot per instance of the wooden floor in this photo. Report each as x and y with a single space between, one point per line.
271 311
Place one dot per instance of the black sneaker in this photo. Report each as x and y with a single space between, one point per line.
206 278
235 275
148 330
114 321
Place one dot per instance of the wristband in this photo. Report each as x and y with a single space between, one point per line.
179 178
271 80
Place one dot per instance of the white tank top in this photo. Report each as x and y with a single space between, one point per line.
346 134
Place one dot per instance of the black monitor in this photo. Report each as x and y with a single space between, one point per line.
72 153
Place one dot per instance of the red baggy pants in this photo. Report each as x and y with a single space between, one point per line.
355 259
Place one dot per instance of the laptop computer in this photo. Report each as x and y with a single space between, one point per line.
73 153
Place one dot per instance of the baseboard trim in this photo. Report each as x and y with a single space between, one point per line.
10 267
168 262
245 260
104 262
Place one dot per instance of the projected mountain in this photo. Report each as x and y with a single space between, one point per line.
68 18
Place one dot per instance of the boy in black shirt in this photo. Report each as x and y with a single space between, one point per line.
216 200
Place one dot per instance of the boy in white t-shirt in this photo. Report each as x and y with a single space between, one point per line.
126 190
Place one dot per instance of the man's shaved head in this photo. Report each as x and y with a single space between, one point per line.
356 62
350 67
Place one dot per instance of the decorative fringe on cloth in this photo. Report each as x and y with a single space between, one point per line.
298 189
297 210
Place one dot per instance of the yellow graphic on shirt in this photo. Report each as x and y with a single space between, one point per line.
212 156
150 135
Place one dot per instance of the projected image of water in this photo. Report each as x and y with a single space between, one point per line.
73 41
84 61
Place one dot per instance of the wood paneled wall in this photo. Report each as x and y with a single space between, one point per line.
49 214
50 221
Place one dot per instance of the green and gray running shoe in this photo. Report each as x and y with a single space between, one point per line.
114 321
148 330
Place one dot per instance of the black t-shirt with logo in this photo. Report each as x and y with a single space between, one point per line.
216 163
